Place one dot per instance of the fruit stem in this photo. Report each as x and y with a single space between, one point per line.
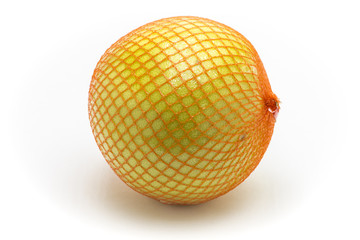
273 105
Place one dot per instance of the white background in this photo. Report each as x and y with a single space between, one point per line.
54 183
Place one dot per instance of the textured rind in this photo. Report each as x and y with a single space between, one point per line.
180 109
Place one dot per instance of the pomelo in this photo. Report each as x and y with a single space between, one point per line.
182 109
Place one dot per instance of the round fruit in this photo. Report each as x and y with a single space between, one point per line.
182 109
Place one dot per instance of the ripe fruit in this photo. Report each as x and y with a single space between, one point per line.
182 109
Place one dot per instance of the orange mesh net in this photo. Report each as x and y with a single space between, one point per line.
182 109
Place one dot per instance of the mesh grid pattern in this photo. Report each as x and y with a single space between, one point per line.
181 109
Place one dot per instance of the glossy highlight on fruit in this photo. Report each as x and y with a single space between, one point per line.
182 109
